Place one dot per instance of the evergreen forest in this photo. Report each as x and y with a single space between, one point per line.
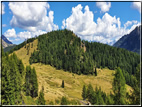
13 84
64 50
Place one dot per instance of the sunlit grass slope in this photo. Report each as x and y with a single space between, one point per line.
51 79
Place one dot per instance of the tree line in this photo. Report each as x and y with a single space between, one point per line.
17 47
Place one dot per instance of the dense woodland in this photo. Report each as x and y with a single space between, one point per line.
11 85
64 50
13 74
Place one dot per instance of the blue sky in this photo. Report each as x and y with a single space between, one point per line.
103 22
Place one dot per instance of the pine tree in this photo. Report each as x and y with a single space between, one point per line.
31 84
21 67
27 80
84 92
109 100
136 93
100 100
34 89
64 101
41 100
119 88
62 84
95 71
89 92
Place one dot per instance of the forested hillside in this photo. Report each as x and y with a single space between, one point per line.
14 82
64 50
107 69
12 71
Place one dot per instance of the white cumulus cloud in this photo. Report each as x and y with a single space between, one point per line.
104 6
27 34
10 33
107 29
32 16
137 5
79 22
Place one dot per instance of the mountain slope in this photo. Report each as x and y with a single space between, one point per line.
7 43
6 40
51 78
130 41
8 48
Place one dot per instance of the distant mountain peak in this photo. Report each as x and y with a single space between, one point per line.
6 40
130 41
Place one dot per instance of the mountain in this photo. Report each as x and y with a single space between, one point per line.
130 41
6 44
8 48
6 40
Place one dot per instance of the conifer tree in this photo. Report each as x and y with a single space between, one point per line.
119 88
27 80
100 100
84 92
21 67
62 84
89 92
34 89
95 71
64 101
31 84
41 100
136 93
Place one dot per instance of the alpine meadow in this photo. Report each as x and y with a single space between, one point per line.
56 53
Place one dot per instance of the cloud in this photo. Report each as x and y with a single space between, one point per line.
4 25
3 6
32 16
104 6
27 34
63 22
137 5
79 22
10 33
107 29
15 40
